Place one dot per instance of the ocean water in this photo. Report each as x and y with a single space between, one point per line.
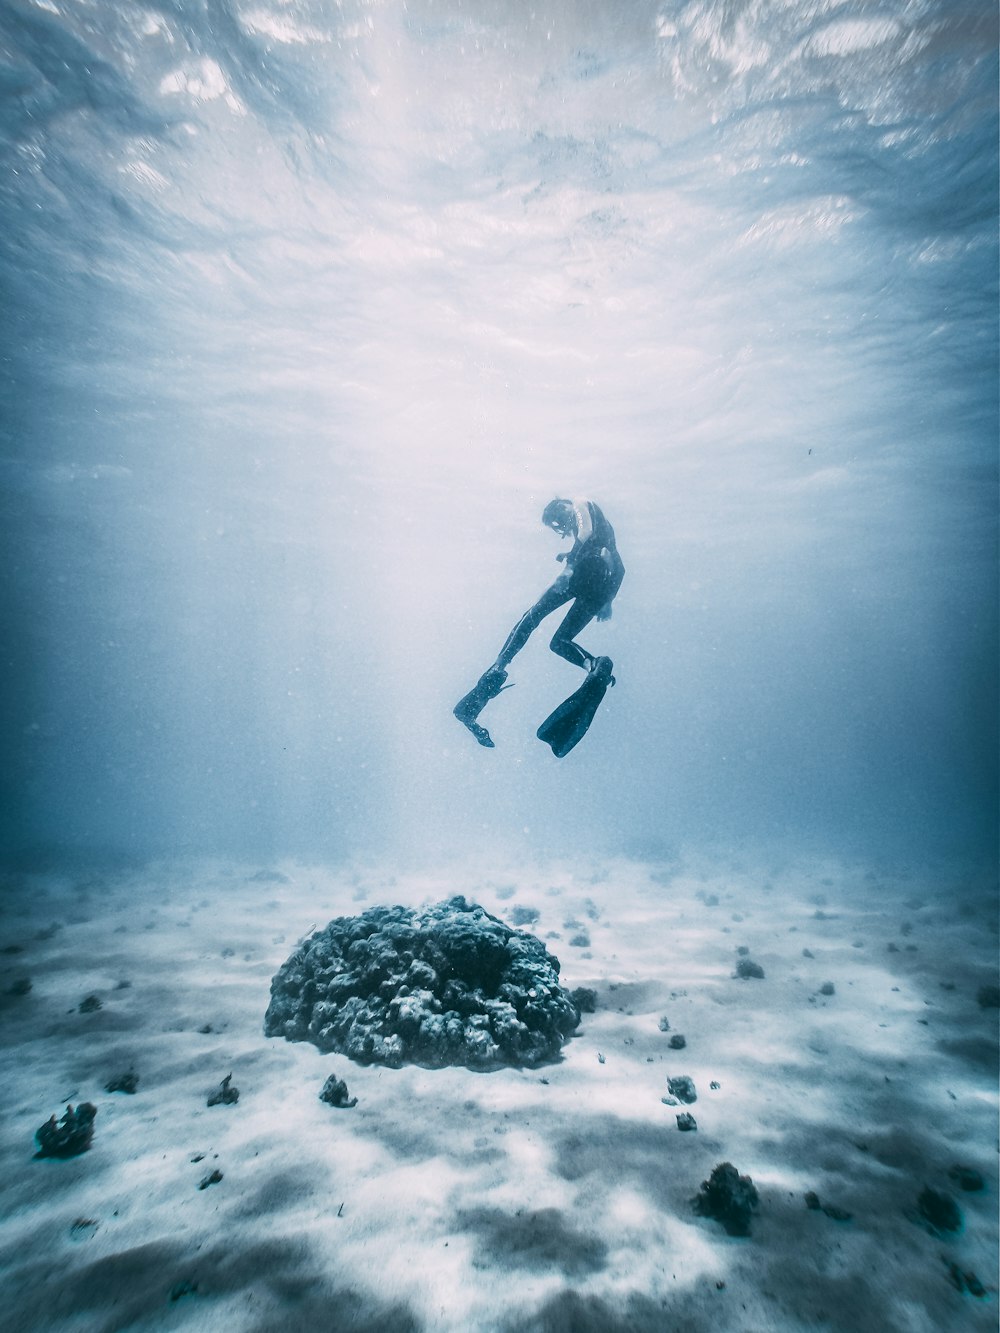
310 307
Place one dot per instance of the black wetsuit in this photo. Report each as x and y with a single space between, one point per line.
594 572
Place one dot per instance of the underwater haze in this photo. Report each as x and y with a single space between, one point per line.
311 307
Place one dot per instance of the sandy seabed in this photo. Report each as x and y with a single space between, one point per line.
860 1069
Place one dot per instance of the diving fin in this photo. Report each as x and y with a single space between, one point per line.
468 708
570 722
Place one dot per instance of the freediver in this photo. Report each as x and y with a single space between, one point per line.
593 575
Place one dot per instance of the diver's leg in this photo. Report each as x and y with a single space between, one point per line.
549 601
493 680
468 708
577 618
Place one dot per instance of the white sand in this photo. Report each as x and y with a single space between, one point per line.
548 1199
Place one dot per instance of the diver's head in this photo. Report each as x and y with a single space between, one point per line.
558 515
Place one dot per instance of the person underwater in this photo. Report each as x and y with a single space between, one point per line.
590 581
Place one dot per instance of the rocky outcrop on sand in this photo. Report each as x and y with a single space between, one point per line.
728 1197
442 985
69 1136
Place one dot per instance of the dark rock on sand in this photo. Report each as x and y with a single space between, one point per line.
224 1093
964 1282
677 1042
686 1122
69 1136
828 988
335 1093
683 1089
524 916
212 1179
664 1024
966 1178
728 1197
128 1082
940 1210
585 999
442 985
829 1209
747 968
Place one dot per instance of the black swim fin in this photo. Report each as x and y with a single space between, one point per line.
570 722
468 708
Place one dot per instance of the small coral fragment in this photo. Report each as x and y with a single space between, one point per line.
728 1197
69 1136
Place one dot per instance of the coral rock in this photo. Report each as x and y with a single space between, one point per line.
224 1094
69 1136
728 1197
683 1089
444 985
335 1093
940 1210
128 1082
746 969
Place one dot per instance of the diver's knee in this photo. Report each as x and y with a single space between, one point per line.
564 648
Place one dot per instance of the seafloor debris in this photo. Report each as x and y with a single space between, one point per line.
966 1178
677 1042
728 1197
964 1281
212 1178
224 1093
524 916
747 968
90 1005
585 999
829 1209
335 1093
128 1082
686 1121
69 1136
940 1210
442 985
683 1089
